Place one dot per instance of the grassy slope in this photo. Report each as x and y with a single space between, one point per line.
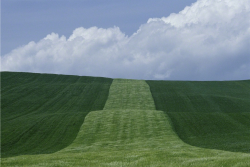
116 129
42 113
130 137
207 114
121 130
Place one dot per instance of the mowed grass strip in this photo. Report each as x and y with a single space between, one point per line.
129 94
207 114
116 130
130 138
42 113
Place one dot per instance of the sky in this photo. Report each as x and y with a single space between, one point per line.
159 40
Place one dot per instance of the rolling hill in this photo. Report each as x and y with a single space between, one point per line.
60 120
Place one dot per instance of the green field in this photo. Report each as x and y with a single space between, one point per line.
42 113
58 120
212 115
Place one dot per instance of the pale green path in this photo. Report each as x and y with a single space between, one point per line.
124 130
130 137
129 94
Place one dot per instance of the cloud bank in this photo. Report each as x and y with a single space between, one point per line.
209 40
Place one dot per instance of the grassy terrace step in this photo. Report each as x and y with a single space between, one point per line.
42 113
116 130
207 114
129 94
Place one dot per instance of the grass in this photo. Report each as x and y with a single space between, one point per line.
129 131
212 114
201 96
130 94
130 138
115 130
42 113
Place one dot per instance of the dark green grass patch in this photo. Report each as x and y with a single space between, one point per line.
207 114
224 131
194 96
42 113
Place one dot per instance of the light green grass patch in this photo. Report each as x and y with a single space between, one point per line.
129 94
124 130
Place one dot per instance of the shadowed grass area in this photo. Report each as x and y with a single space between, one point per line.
42 113
207 114
201 96
224 131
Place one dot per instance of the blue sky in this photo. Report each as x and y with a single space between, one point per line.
31 20
160 40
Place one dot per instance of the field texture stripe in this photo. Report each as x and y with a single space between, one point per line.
129 94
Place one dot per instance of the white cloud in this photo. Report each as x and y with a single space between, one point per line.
209 40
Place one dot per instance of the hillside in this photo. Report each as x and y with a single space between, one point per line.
42 113
63 120
207 114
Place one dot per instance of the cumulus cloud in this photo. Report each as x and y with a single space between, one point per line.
209 40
